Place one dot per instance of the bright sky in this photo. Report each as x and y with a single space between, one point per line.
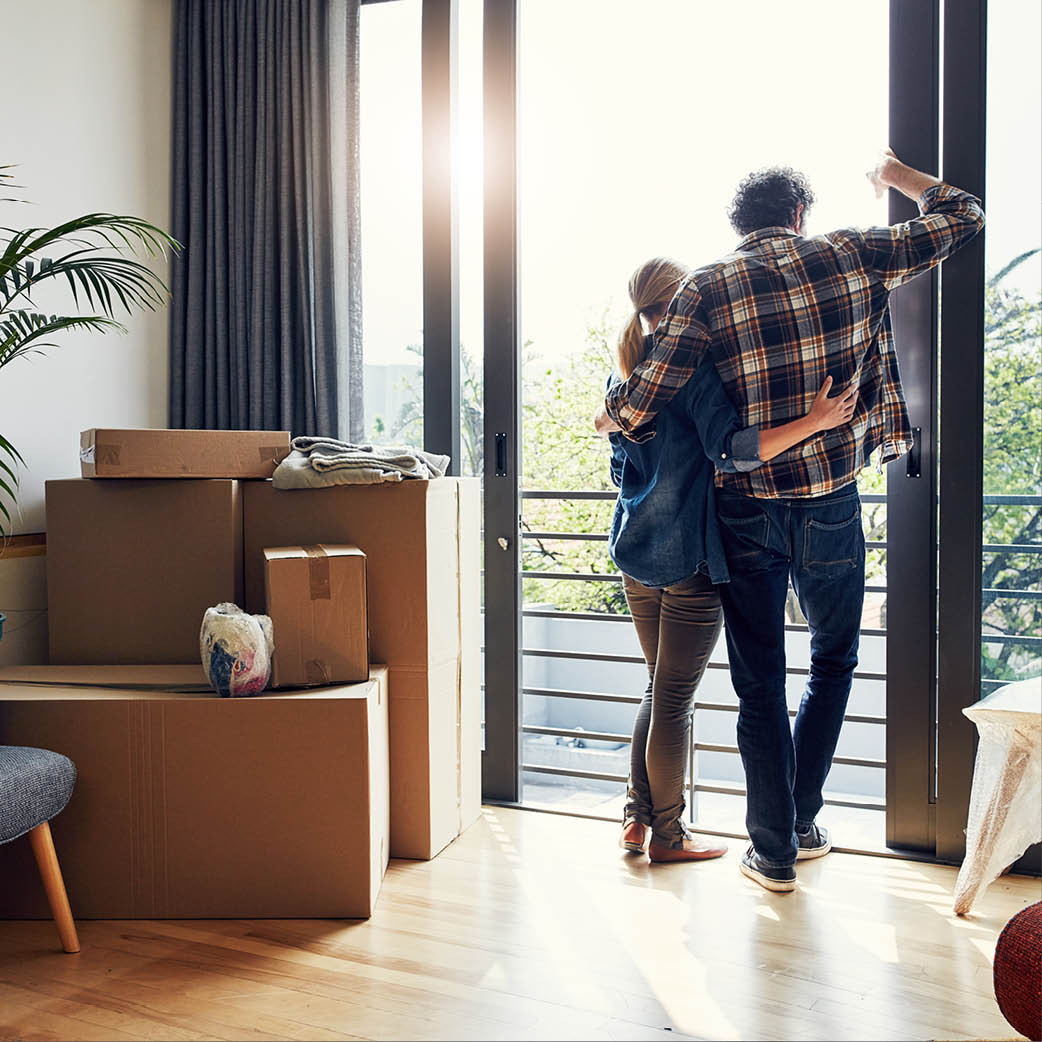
637 122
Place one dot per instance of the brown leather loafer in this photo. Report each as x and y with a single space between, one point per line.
633 836
701 849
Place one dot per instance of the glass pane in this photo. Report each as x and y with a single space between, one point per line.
1011 604
610 176
469 184
392 221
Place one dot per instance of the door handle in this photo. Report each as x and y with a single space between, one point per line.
501 455
915 454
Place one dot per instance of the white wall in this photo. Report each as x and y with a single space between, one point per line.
88 121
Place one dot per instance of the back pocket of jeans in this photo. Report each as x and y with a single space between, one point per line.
830 549
744 536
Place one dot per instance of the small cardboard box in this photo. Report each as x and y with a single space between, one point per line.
132 565
422 546
109 453
192 806
316 599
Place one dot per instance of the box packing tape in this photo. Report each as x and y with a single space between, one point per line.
318 572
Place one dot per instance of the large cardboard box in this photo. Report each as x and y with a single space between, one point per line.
422 546
109 453
192 806
133 564
315 596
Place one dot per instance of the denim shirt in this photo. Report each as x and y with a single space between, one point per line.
665 527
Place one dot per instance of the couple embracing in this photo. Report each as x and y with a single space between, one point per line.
748 396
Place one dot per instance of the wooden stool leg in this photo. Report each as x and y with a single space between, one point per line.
51 874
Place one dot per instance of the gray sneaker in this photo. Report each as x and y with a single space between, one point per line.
780 880
815 842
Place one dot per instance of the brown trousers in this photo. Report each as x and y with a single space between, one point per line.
678 627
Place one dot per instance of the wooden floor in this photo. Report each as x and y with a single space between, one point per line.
537 926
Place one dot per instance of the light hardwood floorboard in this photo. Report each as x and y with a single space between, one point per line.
535 926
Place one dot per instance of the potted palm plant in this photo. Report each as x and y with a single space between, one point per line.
89 255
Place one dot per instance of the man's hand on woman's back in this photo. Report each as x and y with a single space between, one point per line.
827 412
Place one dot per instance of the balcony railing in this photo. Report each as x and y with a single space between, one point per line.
693 784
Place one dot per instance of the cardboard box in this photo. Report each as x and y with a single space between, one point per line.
132 565
191 806
422 546
316 598
109 453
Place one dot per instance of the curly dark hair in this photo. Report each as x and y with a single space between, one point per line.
769 198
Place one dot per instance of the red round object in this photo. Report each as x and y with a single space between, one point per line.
1018 971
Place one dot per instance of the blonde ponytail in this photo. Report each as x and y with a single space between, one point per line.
630 349
652 286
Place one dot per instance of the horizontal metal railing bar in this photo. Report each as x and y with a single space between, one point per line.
846 761
586 656
603 616
1017 501
569 772
715 707
588 696
798 671
866 497
550 493
1015 595
603 577
728 707
584 536
576 616
564 732
557 494
871 544
701 747
734 790
1009 638
599 537
587 577
726 790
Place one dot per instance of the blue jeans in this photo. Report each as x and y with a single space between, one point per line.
819 544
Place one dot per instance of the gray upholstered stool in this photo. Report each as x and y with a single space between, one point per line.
35 786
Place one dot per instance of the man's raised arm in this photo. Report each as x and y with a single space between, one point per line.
679 345
949 219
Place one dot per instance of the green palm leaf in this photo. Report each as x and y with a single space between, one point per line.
88 254
24 331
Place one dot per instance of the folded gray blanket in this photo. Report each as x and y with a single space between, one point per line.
320 462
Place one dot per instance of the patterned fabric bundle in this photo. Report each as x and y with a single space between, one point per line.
236 650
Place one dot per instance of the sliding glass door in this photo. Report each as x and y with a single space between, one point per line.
617 132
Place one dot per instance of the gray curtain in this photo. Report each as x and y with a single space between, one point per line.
265 320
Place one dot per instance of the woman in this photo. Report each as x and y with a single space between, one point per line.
666 541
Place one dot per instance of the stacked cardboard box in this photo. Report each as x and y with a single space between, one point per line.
192 806
133 563
316 599
421 541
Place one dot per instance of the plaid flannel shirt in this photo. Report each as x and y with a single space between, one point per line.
779 315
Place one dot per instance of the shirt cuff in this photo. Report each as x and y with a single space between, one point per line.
939 194
645 432
745 449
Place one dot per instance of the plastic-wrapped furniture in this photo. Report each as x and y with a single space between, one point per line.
1018 971
35 786
1007 786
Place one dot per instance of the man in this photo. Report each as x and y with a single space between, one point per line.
777 316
